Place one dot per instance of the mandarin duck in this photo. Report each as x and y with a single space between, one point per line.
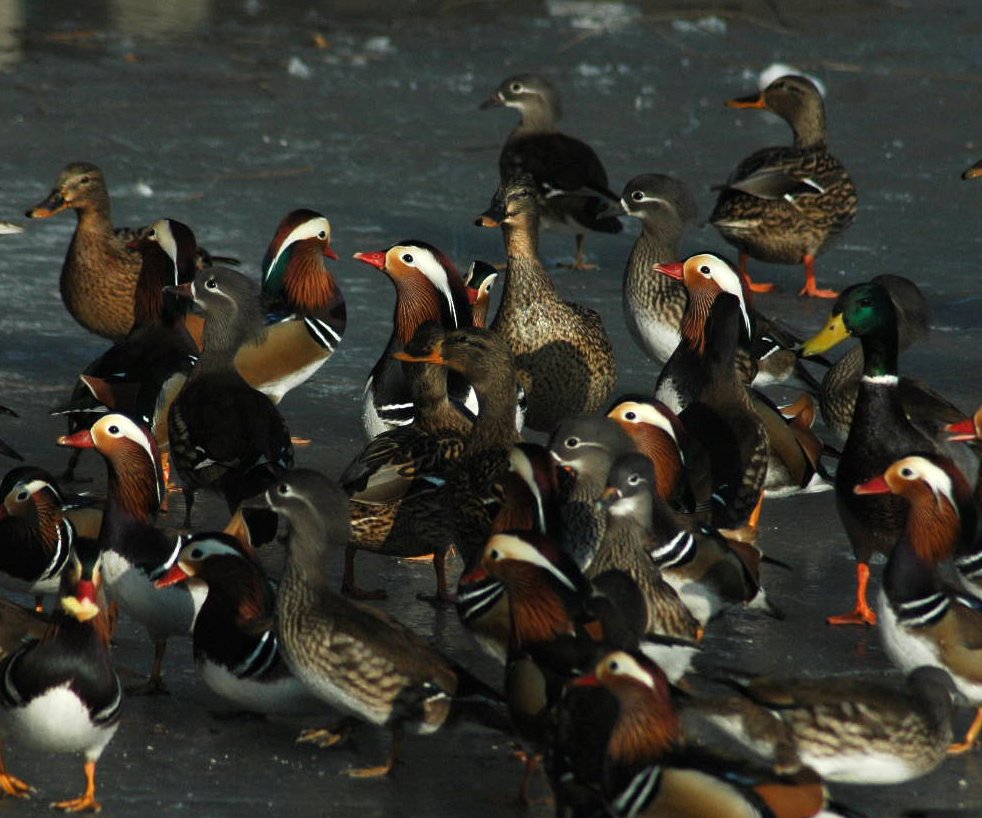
236 650
224 434
479 281
648 772
564 356
879 434
787 204
847 729
653 304
350 655
60 692
133 548
568 181
305 308
923 621
99 276
428 288
415 495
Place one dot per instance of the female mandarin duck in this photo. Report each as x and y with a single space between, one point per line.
416 499
224 434
787 204
923 620
879 434
569 180
60 693
352 656
134 548
99 276
848 729
565 359
653 304
649 773
236 650
305 308
428 288
37 530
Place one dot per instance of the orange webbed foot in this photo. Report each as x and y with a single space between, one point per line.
14 787
860 616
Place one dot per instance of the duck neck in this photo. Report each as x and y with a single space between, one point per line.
526 280
133 490
646 728
808 126
536 119
880 355
307 284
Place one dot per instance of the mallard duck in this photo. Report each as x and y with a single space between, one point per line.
569 181
787 204
564 357
879 434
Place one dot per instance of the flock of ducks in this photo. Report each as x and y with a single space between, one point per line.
593 564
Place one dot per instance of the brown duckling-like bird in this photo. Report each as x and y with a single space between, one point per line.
417 493
569 182
787 204
99 276
224 434
564 356
352 656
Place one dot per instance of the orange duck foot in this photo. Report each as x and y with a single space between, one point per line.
971 737
85 802
811 285
759 287
863 613
14 787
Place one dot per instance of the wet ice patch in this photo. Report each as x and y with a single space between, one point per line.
781 69
711 24
298 68
594 16
379 45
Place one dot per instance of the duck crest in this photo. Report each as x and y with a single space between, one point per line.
305 283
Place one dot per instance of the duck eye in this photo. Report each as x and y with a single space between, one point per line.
907 472
495 554
704 269
572 442
84 180
152 235
637 195
634 479
113 430
211 284
613 665
197 554
322 234
516 88
283 489
632 415
22 495
407 257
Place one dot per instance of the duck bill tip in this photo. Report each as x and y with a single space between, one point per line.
331 253
586 680
484 220
877 485
961 431
750 101
174 575
78 440
373 259
672 269
834 332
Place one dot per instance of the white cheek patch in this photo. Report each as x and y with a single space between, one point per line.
522 466
209 547
512 548
307 230
436 274
648 414
165 238
936 477
627 667
729 281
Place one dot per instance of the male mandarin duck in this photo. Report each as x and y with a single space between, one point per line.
879 434
923 621
794 451
99 276
305 308
968 557
236 650
564 356
224 434
648 771
530 501
848 729
134 548
787 204
352 656
708 571
60 692
428 288
416 492
479 281
653 304
568 180
37 530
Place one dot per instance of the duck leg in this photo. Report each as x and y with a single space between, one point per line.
328 736
383 769
811 285
85 802
971 737
752 285
863 614
154 685
348 586
443 595
188 503
12 786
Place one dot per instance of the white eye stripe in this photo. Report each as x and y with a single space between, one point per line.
645 413
627 666
728 280
937 478
435 272
164 236
310 229
515 549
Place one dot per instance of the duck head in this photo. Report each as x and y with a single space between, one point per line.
80 185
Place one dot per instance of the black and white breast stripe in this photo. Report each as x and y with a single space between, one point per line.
924 612
638 793
477 599
260 660
677 551
322 332
970 565
63 550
